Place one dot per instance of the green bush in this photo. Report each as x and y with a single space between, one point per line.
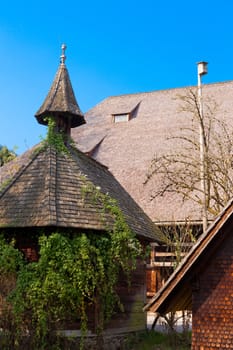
152 340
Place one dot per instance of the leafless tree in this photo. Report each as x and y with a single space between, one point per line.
178 240
179 170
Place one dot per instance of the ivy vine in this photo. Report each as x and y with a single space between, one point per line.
55 138
75 272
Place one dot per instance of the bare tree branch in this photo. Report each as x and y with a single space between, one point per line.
179 171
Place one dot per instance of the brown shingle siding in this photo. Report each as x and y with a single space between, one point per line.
210 263
212 303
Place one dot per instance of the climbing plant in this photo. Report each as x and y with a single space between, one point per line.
56 138
72 274
75 272
11 261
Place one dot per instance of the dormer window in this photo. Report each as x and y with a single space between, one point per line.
120 118
125 114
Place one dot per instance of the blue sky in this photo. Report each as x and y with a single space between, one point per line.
113 47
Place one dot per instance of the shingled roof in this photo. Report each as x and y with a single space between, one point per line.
49 190
127 148
61 99
47 187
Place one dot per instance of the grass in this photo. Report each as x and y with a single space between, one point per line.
152 340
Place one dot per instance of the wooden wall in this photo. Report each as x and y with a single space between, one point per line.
133 298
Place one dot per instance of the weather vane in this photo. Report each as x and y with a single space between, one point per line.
63 56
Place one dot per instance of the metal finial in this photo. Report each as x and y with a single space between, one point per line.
63 56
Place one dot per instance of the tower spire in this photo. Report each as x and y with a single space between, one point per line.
60 103
63 56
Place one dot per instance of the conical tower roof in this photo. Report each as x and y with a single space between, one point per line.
61 99
50 189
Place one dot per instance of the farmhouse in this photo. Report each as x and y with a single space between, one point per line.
203 283
116 142
126 132
49 188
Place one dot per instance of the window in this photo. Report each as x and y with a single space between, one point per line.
120 118
125 113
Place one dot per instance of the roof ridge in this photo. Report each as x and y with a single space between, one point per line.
51 184
164 90
56 86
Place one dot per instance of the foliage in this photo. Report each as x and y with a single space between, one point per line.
6 155
153 340
75 273
119 230
56 138
179 171
71 275
11 260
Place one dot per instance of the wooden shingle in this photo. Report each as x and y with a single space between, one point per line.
128 148
49 190
61 100
44 187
